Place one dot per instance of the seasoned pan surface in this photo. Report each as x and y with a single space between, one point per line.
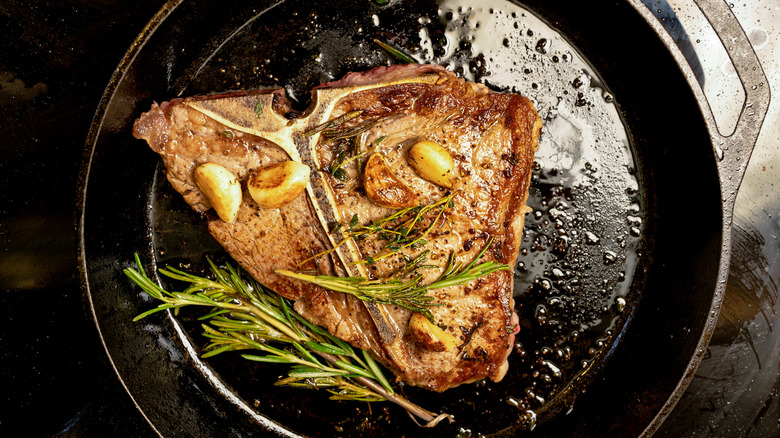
616 273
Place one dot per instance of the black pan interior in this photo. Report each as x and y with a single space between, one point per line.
213 46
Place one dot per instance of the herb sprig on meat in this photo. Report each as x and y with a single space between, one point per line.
398 230
410 293
245 316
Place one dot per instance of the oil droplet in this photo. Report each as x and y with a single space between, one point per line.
719 152
609 257
634 220
529 419
543 46
556 372
464 433
621 303
541 314
534 396
591 239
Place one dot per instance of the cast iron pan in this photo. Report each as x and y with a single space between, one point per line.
623 263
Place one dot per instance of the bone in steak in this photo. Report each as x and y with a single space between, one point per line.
491 138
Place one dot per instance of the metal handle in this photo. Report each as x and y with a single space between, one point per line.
732 151
737 147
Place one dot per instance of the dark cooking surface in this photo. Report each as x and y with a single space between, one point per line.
54 64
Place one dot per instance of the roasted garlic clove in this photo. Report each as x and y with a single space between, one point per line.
430 335
278 184
221 188
432 162
383 187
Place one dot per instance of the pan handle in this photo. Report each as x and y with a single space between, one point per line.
733 151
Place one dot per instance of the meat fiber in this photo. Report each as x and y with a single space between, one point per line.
491 138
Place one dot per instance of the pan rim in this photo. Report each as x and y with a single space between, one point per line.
729 185
83 181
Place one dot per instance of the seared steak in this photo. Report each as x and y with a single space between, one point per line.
491 139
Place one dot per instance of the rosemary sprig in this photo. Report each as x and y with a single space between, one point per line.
246 316
397 233
409 294
405 234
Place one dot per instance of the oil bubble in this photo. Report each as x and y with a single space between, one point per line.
543 46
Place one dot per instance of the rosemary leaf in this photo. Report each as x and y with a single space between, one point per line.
371 363
354 370
269 359
327 348
308 373
343 134
395 52
219 350
338 121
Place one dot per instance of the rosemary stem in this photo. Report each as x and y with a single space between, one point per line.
423 414
337 286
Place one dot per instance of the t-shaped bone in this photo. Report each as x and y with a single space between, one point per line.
254 113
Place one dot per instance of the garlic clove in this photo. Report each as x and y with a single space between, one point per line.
430 335
432 162
221 188
384 187
279 184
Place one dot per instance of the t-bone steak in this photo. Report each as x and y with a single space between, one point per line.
355 138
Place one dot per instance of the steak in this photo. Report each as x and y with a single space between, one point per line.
375 116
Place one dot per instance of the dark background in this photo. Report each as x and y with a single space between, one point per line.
56 59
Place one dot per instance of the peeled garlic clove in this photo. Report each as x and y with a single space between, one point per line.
430 335
383 187
278 184
221 188
432 162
